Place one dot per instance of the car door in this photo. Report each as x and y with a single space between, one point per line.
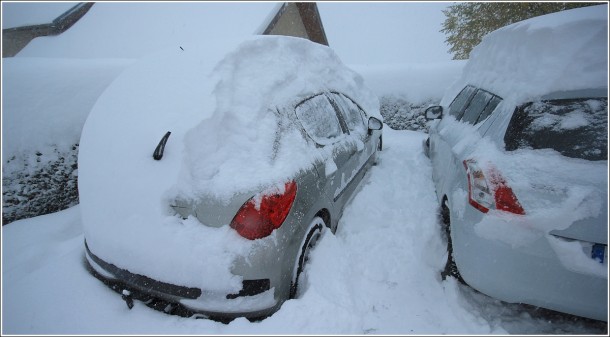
358 140
323 125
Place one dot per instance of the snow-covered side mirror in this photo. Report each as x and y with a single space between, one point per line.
375 124
434 112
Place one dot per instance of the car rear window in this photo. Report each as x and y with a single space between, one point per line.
319 119
576 128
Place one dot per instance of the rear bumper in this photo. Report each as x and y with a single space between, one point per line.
255 300
533 274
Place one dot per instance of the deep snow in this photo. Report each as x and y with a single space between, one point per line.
554 52
378 275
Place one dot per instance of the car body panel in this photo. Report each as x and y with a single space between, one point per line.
532 274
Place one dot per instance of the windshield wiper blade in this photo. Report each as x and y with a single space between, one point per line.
158 154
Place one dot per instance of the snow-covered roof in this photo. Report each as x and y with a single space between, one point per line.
132 30
567 50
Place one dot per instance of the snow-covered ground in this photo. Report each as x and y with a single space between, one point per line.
378 275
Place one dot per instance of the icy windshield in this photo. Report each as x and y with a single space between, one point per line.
575 128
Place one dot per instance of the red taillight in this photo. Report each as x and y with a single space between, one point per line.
484 193
264 212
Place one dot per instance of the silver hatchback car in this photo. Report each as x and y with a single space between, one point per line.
261 234
520 166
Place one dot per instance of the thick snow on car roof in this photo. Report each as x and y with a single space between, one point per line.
221 142
232 150
555 52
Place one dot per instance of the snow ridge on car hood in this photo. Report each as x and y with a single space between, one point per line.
220 130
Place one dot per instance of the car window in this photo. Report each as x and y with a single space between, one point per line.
480 107
576 128
456 108
352 114
491 106
319 119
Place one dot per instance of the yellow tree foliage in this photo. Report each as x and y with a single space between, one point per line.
466 23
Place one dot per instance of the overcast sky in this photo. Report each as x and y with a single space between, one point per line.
360 32
386 32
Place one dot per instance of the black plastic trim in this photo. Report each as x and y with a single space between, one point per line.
145 283
251 288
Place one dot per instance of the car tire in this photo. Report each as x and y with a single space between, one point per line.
451 268
313 234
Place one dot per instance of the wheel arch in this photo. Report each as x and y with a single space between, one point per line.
325 215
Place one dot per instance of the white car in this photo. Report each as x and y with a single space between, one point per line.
519 154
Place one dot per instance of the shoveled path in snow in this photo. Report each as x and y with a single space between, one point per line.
378 275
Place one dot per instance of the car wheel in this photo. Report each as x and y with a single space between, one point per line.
313 234
451 268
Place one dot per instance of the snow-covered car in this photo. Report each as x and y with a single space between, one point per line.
204 188
520 164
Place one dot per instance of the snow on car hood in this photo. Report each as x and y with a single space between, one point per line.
555 52
221 131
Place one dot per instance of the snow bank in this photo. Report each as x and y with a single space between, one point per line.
45 101
45 104
554 52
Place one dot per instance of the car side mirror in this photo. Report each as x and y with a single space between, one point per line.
375 124
434 112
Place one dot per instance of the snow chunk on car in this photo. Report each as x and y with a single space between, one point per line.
555 52
238 147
